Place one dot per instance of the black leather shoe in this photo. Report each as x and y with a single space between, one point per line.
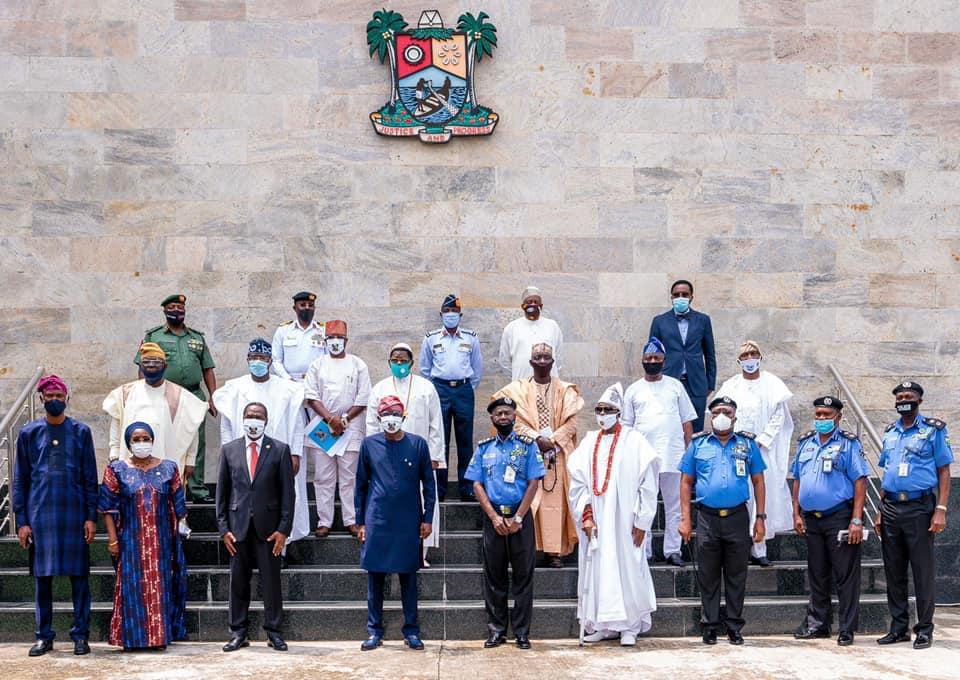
495 640
41 647
205 500
922 641
276 642
371 642
804 633
676 561
413 642
523 642
735 637
845 639
760 561
891 638
80 647
236 643
709 637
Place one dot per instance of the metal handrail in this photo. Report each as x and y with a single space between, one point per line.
857 409
8 441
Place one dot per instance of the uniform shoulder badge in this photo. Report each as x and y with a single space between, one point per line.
807 435
889 427
467 331
525 439
699 435
848 435
485 441
935 422
433 332
748 435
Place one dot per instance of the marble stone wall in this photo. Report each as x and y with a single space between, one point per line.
798 159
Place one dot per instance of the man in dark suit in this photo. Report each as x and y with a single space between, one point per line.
255 504
691 356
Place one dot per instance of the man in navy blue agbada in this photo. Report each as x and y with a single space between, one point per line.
55 506
722 465
392 519
916 459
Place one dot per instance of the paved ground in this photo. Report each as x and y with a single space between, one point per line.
766 657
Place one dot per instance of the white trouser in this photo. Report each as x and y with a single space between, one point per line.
756 549
327 472
670 490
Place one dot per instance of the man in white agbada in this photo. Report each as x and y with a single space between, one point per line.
284 401
613 497
337 390
422 417
520 335
762 409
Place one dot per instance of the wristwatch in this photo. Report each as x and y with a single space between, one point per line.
345 419
857 522
761 515
518 519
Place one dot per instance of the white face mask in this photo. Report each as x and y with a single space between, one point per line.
141 449
336 345
750 365
607 420
391 424
721 422
254 427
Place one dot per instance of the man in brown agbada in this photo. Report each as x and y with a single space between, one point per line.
547 411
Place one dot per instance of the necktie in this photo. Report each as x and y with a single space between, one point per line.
253 459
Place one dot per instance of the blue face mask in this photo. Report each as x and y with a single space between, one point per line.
258 368
824 426
681 305
400 370
450 319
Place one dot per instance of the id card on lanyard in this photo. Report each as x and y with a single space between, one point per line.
741 467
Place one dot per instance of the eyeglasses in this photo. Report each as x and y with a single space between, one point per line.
605 410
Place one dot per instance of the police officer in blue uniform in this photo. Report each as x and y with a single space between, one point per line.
504 471
722 465
916 459
450 358
829 490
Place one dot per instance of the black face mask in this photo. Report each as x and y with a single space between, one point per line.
55 407
652 367
153 377
175 318
906 408
504 429
305 315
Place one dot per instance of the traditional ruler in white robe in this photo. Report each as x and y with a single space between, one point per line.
762 409
284 401
620 594
423 418
519 337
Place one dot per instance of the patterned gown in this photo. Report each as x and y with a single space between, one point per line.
150 597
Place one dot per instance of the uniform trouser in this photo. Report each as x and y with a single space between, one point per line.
906 538
828 559
670 491
196 489
723 551
328 472
408 598
255 551
80 591
699 402
456 403
519 551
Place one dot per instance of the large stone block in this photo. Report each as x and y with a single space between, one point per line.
743 255
772 12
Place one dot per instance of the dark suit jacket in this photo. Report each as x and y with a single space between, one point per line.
268 499
698 352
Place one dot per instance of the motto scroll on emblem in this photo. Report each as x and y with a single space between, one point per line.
432 90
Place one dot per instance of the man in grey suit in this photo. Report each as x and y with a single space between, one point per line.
255 503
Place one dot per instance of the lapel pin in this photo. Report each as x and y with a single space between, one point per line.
55 442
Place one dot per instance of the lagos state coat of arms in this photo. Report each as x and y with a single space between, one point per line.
432 90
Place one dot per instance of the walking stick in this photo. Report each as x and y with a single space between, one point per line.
587 576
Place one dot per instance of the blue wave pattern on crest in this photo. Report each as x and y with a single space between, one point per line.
458 95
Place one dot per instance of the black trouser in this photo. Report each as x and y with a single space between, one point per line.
456 404
723 551
906 538
255 551
828 559
519 550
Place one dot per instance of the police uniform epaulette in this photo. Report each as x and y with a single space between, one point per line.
435 330
889 427
485 441
748 435
848 435
525 439
287 323
698 435
935 422
807 435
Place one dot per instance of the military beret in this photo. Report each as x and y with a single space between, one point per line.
830 402
173 298
724 401
451 301
304 295
501 401
908 386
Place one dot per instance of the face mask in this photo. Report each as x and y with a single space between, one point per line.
504 429
142 449
55 407
153 377
400 370
607 420
824 426
336 345
652 367
174 318
305 315
531 310
391 424
253 427
450 319
681 305
905 408
722 423
750 365
258 368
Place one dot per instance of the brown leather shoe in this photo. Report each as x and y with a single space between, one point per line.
322 532
354 530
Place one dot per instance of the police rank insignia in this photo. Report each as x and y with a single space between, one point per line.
432 90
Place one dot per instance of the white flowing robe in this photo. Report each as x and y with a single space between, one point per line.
284 401
423 418
518 339
619 589
762 409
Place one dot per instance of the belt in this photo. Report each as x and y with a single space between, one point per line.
451 383
506 511
905 496
829 511
721 512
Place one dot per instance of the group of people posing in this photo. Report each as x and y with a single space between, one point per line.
384 447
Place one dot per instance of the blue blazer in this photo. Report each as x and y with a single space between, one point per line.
698 352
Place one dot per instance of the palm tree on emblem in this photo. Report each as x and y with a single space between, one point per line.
481 39
381 32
